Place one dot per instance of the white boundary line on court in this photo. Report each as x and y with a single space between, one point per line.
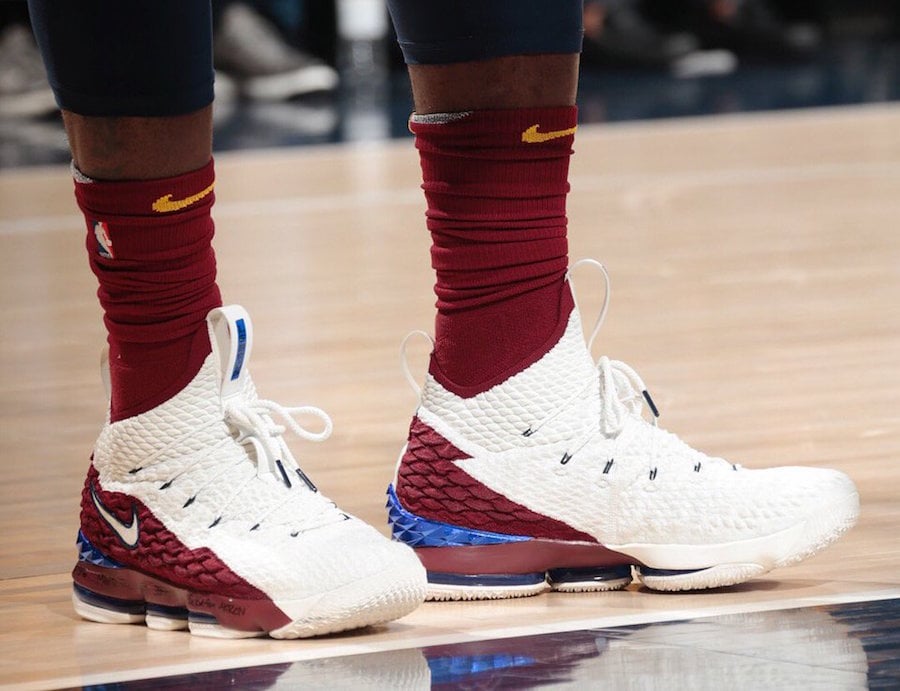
294 651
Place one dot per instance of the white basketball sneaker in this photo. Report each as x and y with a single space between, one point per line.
196 515
554 479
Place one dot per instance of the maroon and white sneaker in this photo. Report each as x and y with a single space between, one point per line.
196 515
553 479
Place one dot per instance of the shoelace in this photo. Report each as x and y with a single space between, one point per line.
621 388
254 423
249 422
622 392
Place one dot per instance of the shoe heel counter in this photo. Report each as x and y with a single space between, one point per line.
433 499
432 487
421 479
412 486
87 507
89 519
89 537
416 531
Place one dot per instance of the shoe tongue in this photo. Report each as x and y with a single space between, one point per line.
231 335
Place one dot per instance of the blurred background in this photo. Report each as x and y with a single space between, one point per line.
299 72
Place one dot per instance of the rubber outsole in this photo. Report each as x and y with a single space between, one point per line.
117 595
443 587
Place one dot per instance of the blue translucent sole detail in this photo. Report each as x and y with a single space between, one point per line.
111 603
660 573
416 531
167 612
139 607
87 552
588 575
486 580
203 618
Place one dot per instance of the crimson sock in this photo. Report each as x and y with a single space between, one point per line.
149 244
495 185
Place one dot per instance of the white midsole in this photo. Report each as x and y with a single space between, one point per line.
768 550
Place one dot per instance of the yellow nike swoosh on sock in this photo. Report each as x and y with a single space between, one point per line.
532 136
165 203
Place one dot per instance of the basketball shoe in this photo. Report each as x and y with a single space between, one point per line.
555 479
196 515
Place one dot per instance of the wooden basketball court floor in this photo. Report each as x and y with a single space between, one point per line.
755 266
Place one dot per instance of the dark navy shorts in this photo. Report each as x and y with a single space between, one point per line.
446 31
154 57
126 57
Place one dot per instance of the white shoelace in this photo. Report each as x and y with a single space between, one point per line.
253 420
252 423
622 391
622 394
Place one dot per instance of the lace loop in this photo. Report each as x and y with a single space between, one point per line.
622 392
607 292
253 420
404 361
621 388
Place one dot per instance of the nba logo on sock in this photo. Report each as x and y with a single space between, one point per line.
104 243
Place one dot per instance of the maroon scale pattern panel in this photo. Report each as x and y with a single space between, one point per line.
158 552
431 485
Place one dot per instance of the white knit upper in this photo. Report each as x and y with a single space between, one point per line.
657 490
303 545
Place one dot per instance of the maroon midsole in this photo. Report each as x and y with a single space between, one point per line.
528 556
134 586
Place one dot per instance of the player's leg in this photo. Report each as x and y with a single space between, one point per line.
136 104
494 120
194 512
528 465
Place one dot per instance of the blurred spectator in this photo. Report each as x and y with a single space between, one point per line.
24 91
752 29
253 57
691 36
617 33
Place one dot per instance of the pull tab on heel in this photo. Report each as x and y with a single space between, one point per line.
231 335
